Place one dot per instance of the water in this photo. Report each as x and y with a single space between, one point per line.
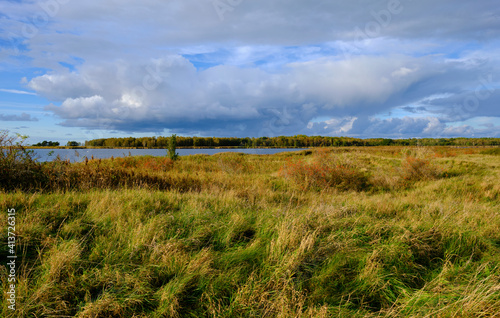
80 154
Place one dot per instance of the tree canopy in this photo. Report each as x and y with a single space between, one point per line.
299 141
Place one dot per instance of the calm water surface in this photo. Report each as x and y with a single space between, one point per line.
80 154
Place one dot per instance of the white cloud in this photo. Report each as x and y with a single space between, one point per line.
58 87
98 29
404 127
266 67
16 91
402 72
170 90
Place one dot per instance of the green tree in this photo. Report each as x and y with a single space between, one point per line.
172 146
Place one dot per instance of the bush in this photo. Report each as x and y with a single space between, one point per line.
172 146
19 170
416 169
18 166
491 151
325 173
116 173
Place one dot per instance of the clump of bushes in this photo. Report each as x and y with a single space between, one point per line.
18 167
19 170
323 172
491 151
416 169
117 173
417 165
326 169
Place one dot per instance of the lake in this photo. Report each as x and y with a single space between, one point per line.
80 154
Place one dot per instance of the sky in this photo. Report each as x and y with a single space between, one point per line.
81 70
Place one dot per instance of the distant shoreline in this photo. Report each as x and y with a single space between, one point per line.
223 147
234 147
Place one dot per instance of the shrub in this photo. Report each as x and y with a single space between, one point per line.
172 146
324 173
415 169
101 174
18 166
491 151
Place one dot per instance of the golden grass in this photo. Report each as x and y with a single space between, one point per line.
234 236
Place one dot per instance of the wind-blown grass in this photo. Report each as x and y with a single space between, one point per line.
234 235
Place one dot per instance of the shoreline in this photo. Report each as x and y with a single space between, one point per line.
234 147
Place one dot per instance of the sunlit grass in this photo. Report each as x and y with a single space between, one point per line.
413 233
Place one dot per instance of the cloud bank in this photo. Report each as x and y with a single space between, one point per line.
252 68
22 117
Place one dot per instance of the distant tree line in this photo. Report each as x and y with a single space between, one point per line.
299 141
46 143
73 144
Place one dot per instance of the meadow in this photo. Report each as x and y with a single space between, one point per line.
326 232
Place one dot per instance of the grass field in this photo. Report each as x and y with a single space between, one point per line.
336 232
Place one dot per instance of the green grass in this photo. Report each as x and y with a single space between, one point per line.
351 232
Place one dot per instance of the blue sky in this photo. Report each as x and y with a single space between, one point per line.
72 70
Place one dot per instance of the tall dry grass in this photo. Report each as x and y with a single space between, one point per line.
234 236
